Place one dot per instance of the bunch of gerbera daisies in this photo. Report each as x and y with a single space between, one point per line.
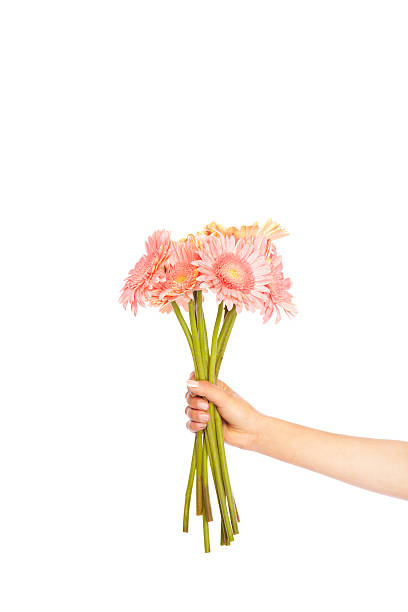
242 268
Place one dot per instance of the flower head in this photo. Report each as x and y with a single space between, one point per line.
278 297
235 270
270 230
148 272
262 237
180 277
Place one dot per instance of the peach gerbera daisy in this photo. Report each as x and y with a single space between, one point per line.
270 230
235 270
180 279
278 298
148 271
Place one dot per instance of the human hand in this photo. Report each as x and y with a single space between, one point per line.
241 423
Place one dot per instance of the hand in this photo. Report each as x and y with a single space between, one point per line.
241 423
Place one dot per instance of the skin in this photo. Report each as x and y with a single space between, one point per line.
376 465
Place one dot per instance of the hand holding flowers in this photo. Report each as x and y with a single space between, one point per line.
241 423
242 268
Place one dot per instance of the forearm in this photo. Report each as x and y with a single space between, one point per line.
377 465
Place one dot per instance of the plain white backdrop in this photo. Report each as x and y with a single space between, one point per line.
119 118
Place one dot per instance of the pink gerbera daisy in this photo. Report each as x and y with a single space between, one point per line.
278 297
181 277
148 271
235 270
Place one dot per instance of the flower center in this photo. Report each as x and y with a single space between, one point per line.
234 272
182 277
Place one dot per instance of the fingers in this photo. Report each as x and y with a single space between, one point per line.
196 402
199 391
219 382
194 427
197 416
218 394
197 412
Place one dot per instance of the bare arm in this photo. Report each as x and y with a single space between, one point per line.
377 465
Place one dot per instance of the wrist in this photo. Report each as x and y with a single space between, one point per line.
262 439
259 434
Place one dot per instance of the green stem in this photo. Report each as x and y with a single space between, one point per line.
223 338
186 331
202 329
203 353
236 510
189 491
206 533
218 424
213 440
216 490
206 490
199 468
196 341
200 375
211 428
223 327
224 540
203 342
211 431
197 451
214 343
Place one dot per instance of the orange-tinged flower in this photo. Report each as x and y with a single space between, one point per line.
195 239
270 230
148 272
262 236
235 270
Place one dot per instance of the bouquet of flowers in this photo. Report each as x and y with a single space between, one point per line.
242 268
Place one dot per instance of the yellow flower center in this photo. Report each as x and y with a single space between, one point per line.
180 279
233 273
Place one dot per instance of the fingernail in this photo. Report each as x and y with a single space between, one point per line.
205 418
192 384
202 404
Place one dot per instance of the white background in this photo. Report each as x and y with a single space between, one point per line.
118 118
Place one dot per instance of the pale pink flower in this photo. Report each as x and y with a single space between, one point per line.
148 272
278 297
235 270
181 277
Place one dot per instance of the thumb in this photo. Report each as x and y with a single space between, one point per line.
220 395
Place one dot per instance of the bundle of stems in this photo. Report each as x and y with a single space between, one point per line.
209 444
